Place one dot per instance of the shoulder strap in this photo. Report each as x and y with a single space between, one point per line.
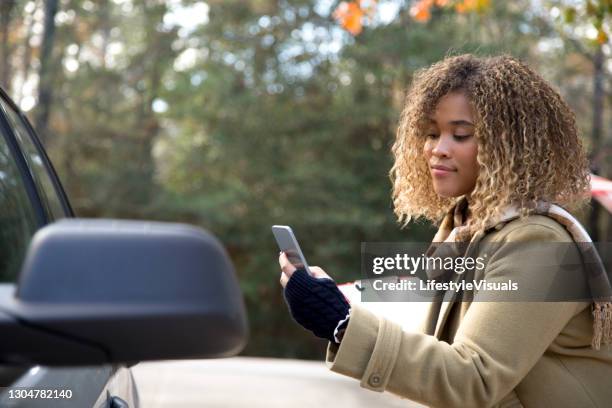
597 277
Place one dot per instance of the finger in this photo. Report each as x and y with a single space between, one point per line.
284 279
318 272
285 265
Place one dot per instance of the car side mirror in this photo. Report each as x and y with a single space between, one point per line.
109 291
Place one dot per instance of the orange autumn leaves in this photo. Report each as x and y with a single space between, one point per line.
421 10
352 14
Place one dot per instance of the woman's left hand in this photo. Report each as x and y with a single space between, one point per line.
287 270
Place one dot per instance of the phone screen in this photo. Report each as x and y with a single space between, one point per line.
288 244
294 258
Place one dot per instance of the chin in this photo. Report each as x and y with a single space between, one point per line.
444 193
449 193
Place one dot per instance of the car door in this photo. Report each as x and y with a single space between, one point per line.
31 197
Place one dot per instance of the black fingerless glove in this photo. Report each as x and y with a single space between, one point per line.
317 304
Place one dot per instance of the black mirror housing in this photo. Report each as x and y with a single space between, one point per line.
125 291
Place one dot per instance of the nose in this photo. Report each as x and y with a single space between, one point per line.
441 146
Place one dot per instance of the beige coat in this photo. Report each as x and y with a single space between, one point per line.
482 354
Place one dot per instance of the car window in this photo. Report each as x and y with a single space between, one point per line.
48 192
18 220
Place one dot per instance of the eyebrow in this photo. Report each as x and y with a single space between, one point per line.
459 122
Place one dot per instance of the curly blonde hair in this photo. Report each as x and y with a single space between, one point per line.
528 145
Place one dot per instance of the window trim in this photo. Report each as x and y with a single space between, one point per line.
24 171
68 211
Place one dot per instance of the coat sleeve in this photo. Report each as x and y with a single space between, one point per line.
496 344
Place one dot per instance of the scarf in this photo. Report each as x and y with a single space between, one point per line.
601 291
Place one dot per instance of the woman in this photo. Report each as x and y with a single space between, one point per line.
486 146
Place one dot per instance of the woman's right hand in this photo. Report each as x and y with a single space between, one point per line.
315 303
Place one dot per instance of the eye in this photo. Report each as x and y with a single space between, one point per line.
432 136
462 137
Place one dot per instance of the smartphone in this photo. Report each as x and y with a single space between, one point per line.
285 238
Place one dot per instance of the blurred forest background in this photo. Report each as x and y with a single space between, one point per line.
235 115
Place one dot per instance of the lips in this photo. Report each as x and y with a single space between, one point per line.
442 168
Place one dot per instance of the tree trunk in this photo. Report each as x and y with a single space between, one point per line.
44 85
6 9
27 54
607 154
105 27
598 100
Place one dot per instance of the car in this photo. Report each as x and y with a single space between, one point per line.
83 300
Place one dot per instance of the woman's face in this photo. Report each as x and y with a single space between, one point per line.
451 146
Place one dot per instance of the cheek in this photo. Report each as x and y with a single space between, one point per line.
469 154
427 150
474 163
474 156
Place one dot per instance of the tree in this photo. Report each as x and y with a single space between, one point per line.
6 10
45 85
